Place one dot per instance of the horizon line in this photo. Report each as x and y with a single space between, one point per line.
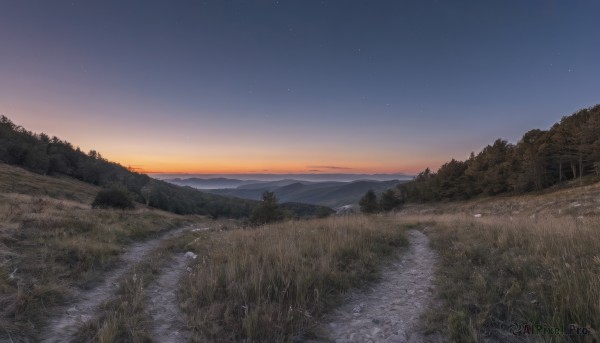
272 173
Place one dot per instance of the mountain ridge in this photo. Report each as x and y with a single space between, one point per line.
331 194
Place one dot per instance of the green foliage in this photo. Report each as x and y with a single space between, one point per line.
368 203
389 201
297 210
267 211
115 198
541 159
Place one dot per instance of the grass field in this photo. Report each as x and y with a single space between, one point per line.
51 240
531 260
496 271
273 283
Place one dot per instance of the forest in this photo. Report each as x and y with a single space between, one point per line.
569 150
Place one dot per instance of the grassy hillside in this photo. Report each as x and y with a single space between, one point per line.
573 200
501 267
530 259
17 180
51 240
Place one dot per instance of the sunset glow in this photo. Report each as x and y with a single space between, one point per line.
203 88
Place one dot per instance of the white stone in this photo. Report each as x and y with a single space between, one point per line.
190 255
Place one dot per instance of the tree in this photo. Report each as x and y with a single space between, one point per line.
368 203
389 201
267 211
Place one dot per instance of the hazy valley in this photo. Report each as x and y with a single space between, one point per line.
326 193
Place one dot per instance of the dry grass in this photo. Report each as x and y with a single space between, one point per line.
272 283
530 259
573 201
496 270
17 180
123 318
49 245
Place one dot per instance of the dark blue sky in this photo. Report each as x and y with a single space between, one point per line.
372 86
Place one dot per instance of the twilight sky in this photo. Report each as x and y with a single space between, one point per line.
295 86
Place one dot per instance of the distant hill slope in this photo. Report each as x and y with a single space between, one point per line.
572 199
40 154
211 183
17 180
332 194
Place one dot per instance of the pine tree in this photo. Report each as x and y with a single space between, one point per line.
267 211
368 203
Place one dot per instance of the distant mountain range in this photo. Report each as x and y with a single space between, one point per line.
212 183
277 177
329 193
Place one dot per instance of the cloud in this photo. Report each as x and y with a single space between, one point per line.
330 167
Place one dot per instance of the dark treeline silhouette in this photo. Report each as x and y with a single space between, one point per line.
388 201
569 150
46 155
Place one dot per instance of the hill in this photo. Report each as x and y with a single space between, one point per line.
211 183
332 194
41 154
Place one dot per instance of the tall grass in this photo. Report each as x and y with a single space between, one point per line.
47 246
272 283
496 271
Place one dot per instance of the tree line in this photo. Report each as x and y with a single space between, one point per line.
569 150
46 155
388 201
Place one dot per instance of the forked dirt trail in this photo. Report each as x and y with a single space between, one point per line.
85 303
390 311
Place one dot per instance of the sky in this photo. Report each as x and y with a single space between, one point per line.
295 86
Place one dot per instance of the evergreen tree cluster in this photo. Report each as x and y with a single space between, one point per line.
388 201
267 211
567 151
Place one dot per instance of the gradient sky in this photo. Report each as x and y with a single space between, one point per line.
295 86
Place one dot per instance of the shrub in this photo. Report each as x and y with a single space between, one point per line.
115 198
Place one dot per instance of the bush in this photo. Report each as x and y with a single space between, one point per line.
389 201
115 198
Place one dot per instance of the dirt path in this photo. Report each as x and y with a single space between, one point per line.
391 310
162 306
86 302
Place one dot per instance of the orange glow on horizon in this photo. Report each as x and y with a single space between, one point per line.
191 150
174 167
